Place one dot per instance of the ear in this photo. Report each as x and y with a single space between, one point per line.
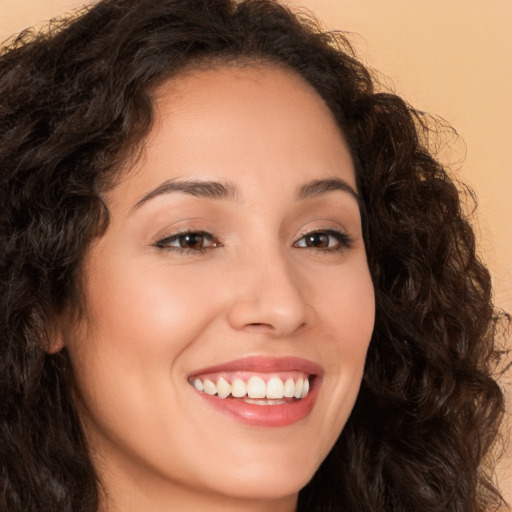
55 344
54 337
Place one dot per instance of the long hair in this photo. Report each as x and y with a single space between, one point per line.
75 105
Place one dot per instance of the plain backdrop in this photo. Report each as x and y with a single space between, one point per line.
452 58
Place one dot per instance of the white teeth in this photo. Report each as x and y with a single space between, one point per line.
255 402
257 391
198 385
275 388
264 402
305 388
256 387
209 387
298 387
289 388
223 388
238 388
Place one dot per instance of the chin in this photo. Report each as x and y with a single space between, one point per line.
262 484
277 476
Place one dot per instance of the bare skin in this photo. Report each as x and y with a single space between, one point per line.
266 261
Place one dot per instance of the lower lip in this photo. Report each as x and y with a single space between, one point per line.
265 415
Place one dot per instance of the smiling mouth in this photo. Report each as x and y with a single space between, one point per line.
256 389
240 389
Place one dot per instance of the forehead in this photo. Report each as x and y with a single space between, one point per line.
246 99
249 123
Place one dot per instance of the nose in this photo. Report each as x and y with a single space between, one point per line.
269 297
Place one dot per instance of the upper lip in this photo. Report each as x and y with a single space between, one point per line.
261 364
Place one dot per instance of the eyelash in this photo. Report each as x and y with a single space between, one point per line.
164 243
344 241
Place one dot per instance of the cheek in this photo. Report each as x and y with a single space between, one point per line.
348 310
146 311
126 354
348 314
356 314
138 322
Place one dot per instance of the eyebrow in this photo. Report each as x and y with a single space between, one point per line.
206 189
318 187
226 190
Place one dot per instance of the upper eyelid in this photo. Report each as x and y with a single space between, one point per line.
325 229
316 229
346 239
171 233
161 241
185 232
192 231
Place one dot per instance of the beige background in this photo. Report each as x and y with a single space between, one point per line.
449 57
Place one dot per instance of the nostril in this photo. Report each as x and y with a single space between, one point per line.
260 326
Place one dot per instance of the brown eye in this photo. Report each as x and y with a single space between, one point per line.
326 240
192 241
188 242
317 240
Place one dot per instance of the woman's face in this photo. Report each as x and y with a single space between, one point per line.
233 264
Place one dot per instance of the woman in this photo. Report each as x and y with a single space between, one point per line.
233 276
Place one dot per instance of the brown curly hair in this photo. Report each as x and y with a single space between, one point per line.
75 103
